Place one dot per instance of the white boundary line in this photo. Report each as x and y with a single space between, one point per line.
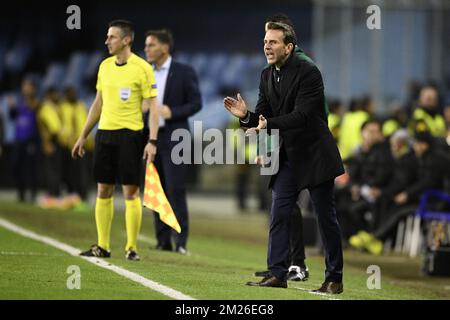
324 295
169 292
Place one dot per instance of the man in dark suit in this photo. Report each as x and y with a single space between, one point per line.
291 99
179 98
298 271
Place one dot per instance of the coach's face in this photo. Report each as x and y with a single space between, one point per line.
115 41
275 49
154 49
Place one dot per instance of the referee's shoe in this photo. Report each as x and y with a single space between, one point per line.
96 251
132 255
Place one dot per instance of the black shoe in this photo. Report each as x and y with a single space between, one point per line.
298 273
271 281
330 287
132 255
263 274
162 248
96 251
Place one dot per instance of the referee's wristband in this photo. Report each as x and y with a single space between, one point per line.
152 141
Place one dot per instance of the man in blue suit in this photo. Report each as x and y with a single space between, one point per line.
179 98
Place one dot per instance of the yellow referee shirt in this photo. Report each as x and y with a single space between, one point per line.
123 88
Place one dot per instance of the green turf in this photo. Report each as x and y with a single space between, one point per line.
224 254
33 270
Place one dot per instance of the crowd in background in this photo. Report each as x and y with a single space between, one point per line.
390 160
46 128
390 163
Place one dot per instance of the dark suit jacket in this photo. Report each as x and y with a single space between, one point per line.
182 95
300 115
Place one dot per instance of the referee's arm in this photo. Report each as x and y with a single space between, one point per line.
151 104
92 119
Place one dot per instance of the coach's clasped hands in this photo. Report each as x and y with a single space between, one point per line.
261 125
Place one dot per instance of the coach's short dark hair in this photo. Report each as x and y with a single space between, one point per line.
280 17
288 31
125 26
371 121
163 35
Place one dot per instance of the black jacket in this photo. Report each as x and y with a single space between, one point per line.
433 170
298 112
373 168
404 175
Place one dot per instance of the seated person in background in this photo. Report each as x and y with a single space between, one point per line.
432 166
370 168
404 174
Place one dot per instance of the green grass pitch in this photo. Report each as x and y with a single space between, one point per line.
224 254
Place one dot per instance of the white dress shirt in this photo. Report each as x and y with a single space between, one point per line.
161 80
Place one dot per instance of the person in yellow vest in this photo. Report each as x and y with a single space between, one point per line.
50 126
126 88
398 119
334 118
447 121
428 111
73 114
350 131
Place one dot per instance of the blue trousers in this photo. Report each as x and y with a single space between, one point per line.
173 180
284 196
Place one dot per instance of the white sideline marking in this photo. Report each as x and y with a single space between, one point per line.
169 292
324 295
14 253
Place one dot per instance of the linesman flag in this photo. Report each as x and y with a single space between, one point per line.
155 199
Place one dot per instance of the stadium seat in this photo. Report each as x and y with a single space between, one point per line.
54 76
93 64
2 59
17 57
183 57
235 72
77 65
200 63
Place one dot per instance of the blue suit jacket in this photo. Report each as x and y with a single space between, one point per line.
182 95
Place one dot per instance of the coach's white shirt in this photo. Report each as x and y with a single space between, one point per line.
161 79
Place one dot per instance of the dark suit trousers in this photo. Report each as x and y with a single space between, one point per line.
173 180
284 196
296 238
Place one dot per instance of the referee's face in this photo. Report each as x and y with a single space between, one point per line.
114 40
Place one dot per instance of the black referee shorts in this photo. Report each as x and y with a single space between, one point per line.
118 156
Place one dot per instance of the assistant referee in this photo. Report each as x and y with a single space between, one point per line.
125 88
